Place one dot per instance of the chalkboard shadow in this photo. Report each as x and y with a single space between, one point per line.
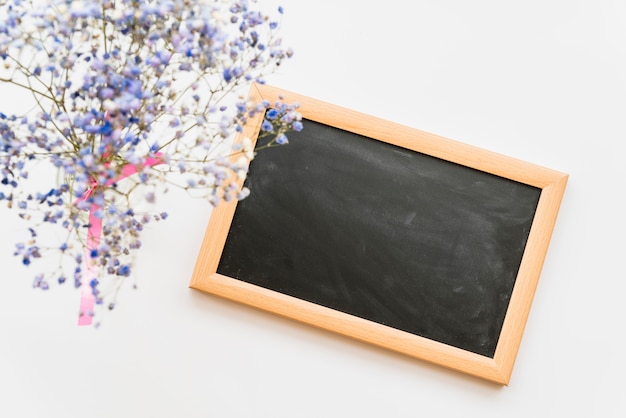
384 233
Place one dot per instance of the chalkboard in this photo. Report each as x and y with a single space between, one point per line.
360 222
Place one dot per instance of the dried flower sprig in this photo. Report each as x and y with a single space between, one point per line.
148 88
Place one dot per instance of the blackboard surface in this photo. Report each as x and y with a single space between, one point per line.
387 234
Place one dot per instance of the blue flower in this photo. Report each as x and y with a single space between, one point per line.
227 74
120 99
124 271
272 114
267 126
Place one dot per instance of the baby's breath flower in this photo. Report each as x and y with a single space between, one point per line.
130 97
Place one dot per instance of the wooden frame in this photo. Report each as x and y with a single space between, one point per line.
497 369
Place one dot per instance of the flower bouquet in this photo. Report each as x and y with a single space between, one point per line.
124 98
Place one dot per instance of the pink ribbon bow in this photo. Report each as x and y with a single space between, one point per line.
94 233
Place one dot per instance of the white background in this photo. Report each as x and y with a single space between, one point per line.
539 80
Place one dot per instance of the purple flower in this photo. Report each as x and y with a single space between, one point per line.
113 104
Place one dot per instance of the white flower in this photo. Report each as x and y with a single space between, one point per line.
248 148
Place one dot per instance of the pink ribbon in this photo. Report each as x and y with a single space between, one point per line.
94 233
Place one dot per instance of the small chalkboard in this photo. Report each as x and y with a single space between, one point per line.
387 234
